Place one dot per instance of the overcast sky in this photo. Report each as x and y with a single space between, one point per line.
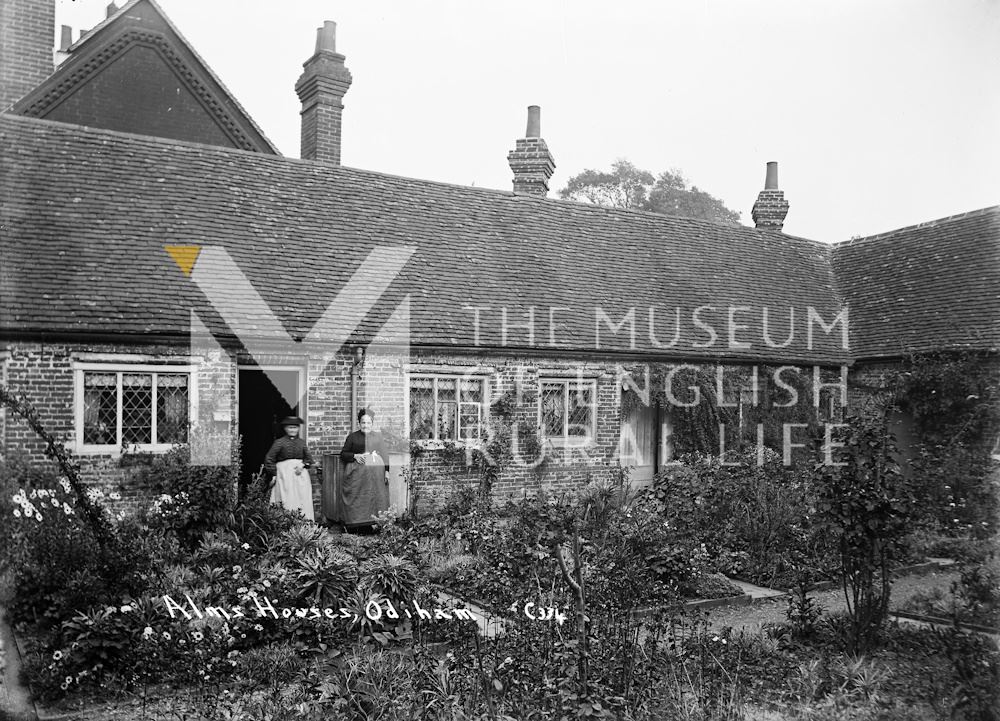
880 114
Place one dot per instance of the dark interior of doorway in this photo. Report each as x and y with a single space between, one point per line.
262 405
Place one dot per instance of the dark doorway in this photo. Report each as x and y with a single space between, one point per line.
262 405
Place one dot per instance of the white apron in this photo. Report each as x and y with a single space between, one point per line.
294 492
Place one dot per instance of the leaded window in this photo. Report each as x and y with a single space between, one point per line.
446 408
567 409
135 408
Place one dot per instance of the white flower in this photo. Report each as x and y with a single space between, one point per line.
17 513
38 517
55 502
126 608
166 635
258 627
267 584
34 493
246 546
147 632
115 496
69 679
57 655
237 569
197 635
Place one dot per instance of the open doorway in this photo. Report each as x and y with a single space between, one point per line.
263 402
646 442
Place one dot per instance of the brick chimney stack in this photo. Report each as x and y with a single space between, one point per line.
771 207
321 88
27 42
531 160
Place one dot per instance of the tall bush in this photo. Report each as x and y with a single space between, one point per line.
867 504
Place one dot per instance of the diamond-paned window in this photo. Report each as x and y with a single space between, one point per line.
171 408
553 400
567 409
100 408
137 406
421 408
134 408
446 407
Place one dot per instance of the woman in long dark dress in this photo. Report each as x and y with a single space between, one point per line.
366 480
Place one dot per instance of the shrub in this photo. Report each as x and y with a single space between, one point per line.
199 498
392 576
867 505
755 521
324 576
58 568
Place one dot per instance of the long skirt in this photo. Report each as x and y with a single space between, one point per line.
292 491
365 492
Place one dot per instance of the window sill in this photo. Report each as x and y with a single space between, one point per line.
116 451
561 444
437 445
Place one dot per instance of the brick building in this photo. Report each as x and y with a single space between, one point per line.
164 269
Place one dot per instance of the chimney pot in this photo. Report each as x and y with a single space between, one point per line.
531 160
66 38
771 181
111 9
534 122
771 207
326 37
321 89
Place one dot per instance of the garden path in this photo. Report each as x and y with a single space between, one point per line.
772 610
15 703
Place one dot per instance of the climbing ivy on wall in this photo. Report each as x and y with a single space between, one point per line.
696 425
954 401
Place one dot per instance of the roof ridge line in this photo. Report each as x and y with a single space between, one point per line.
521 197
916 226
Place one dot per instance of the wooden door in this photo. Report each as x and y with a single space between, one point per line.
637 446
646 442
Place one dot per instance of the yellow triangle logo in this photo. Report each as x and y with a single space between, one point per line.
184 255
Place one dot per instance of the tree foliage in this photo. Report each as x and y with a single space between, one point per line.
626 186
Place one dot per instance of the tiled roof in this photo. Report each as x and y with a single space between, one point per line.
930 286
86 215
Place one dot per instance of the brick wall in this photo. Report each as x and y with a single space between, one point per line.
27 41
45 374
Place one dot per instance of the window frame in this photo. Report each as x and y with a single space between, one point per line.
566 440
483 406
119 369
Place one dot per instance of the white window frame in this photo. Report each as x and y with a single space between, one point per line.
458 378
120 368
566 440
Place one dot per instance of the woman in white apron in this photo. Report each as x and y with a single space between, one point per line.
288 461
